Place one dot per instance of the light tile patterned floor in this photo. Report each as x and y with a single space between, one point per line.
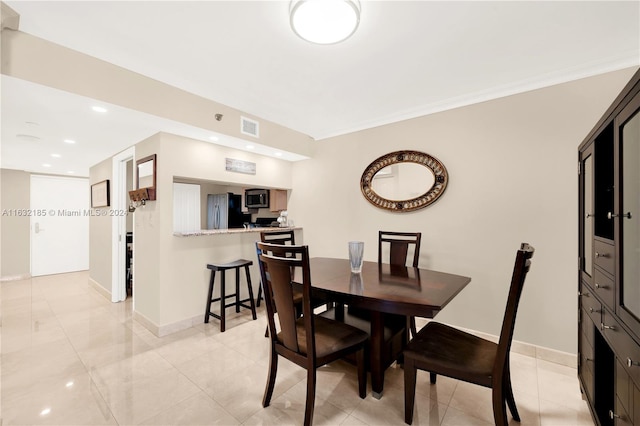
71 357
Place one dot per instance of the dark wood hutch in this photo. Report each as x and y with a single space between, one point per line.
609 262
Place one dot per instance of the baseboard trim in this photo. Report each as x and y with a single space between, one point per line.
15 277
97 287
539 352
164 330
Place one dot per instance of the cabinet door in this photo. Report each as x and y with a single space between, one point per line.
278 201
627 214
586 213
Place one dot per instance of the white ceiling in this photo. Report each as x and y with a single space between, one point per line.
406 59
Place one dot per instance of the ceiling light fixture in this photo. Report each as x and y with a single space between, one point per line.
46 165
250 147
214 138
56 155
69 141
99 109
324 21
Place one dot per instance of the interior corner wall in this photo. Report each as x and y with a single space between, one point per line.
512 165
169 268
100 232
15 251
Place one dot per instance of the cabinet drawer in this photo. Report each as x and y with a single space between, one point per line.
625 348
591 305
636 406
624 388
621 417
586 374
586 366
604 288
588 327
604 254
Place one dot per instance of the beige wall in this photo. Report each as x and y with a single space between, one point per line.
100 232
15 248
169 268
512 164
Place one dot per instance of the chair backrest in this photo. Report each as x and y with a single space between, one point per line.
520 270
278 237
399 246
277 264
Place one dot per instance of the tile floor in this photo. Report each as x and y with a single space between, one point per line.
70 357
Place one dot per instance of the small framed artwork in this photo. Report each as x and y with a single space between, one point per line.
100 194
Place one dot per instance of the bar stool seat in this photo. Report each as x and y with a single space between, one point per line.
236 264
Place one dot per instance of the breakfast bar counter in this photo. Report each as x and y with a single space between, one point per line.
203 232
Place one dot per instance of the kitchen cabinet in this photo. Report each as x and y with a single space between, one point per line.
609 262
278 200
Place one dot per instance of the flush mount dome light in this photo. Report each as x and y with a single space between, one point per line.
324 21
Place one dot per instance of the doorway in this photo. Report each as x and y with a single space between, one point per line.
60 208
120 195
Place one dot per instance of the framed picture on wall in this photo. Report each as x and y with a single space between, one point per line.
100 194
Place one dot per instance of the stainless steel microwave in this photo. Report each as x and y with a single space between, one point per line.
256 198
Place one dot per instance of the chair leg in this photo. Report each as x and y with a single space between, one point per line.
432 378
499 407
412 326
311 396
223 299
362 373
508 393
409 389
237 290
259 295
207 311
271 378
251 301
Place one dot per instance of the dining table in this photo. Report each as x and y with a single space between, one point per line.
383 290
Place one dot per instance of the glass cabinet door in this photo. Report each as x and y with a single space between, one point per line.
629 211
586 184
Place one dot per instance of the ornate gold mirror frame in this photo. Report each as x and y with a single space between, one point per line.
426 160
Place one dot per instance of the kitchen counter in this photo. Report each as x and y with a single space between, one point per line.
232 231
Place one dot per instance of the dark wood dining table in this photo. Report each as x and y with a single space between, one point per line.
384 289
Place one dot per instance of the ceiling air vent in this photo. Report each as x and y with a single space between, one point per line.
249 127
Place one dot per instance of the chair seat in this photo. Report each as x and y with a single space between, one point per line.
331 337
448 351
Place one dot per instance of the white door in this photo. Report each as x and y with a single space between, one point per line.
60 210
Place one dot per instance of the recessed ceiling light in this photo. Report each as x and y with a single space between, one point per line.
46 165
69 141
70 172
278 154
56 155
250 147
69 384
214 138
45 411
99 109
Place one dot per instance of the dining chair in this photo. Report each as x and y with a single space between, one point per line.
440 349
399 244
309 341
283 237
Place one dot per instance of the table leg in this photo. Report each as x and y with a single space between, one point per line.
375 357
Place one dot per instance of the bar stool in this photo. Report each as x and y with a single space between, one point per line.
237 264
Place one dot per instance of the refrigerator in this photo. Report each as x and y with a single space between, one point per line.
224 211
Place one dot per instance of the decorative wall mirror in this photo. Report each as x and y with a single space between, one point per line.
403 181
146 173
